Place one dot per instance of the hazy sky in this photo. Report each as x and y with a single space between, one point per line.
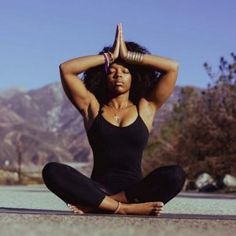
37 35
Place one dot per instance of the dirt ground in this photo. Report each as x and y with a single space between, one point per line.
38 225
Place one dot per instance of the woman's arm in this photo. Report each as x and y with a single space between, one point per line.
73 86
165 85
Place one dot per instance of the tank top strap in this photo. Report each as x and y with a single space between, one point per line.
100 109
137 109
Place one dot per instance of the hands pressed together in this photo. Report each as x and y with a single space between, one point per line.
119 49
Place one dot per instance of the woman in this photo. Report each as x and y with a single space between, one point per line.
120 96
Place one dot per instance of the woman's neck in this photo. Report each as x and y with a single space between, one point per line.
119 102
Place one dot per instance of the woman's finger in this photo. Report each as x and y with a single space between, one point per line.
123 48
121 33
116 36
117 33
116 44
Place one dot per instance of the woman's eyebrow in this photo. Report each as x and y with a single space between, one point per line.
116 67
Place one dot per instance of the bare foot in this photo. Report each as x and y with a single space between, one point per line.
79 209
147 208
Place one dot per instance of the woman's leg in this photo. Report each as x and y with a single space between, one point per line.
162 185
72 186
78 190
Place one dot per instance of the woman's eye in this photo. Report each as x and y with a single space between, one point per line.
110 71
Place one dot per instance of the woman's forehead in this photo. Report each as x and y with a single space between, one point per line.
118 65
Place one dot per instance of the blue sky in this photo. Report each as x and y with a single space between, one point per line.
37 35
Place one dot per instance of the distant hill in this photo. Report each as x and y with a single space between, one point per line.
7 93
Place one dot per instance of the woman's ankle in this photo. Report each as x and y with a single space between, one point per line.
123 209
117 208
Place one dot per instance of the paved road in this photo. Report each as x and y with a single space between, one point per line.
33 210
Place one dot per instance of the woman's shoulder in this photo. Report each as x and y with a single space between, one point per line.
147 105
147 112
92 112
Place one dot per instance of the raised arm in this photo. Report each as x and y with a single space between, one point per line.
165 85
73 86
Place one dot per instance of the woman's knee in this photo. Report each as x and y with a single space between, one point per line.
178 171
49 169
178 176
172 175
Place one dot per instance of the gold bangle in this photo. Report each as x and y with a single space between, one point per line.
134 57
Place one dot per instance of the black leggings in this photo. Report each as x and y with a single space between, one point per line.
73 187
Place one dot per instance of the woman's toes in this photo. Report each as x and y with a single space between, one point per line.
78 212
75 209
157 212
157 204
160 204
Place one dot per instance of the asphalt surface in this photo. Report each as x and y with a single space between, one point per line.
33 210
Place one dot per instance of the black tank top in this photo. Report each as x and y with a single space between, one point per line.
117 152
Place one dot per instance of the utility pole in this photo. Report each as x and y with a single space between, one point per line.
19 158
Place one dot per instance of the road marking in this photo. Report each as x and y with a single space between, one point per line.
69 213
200 195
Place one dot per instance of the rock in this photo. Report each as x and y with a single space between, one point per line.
229 181
190 185
205 183
208 188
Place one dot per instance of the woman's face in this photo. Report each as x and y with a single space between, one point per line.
118 78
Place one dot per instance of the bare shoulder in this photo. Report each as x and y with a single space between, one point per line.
92 110
147 111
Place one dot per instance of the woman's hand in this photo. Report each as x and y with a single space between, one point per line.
123 48
116 45
119 47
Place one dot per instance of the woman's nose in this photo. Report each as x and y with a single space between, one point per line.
118 73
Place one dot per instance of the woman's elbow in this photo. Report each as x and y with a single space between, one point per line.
63 68
174 66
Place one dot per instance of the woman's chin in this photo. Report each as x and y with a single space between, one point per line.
119 91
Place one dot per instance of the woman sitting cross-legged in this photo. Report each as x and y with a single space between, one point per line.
124 87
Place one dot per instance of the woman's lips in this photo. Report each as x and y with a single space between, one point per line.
119 83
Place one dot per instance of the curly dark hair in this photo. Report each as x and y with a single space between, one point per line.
143 77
